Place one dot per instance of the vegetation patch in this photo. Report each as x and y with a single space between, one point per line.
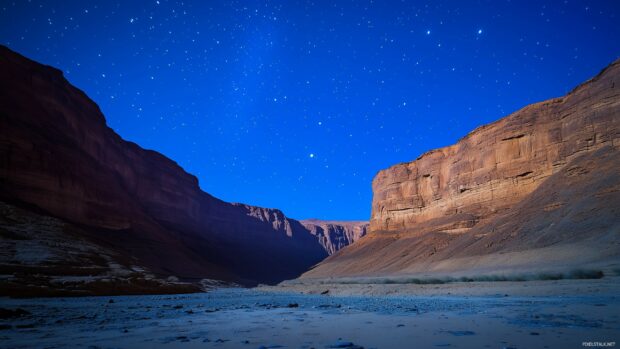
572 274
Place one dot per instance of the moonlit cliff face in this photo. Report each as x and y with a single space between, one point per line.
536 189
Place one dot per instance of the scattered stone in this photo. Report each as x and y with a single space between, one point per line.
325 292
293 305
11 313
461 333
25 326
111 301
534 334
345 344
179 306
400 325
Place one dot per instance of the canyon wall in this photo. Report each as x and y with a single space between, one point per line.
335 235
510 194
59 158
498 164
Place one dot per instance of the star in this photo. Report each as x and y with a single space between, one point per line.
479 31
311 155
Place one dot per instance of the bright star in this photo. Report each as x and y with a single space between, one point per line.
311 155
479 31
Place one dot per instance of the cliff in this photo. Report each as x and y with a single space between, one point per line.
335 235
536 189
59 159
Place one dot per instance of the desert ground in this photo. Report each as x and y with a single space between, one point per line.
529 314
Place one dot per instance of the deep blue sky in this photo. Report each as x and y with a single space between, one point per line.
297 105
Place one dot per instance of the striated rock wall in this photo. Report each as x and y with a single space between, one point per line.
335 235
58 155
537 190
497 165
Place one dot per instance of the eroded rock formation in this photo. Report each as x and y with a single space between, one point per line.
335 235
58 157
538 186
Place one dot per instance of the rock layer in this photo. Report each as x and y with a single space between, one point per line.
58 156
335 235
543 179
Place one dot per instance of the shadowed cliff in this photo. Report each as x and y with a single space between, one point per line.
59 159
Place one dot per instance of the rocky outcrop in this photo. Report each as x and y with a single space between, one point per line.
46 256
335 235
58 156
538 187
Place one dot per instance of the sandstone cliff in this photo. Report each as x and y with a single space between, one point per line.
537 189
58 157
335 235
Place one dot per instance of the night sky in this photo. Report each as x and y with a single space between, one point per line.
296 105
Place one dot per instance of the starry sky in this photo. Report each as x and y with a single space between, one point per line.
297 104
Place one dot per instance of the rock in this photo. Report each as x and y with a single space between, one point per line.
514 194
461 333
293 305
25 326
334 235
12 313
58 156
344 344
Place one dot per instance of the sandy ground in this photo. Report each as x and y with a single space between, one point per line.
496 317
607 286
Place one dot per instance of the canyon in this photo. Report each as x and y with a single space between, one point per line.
86 212
536 190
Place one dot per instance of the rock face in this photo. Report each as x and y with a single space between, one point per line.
46 256
538 188
335 235
59 158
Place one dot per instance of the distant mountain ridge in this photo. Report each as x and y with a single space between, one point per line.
57 155
538 189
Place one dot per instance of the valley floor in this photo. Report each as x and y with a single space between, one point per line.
459 315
